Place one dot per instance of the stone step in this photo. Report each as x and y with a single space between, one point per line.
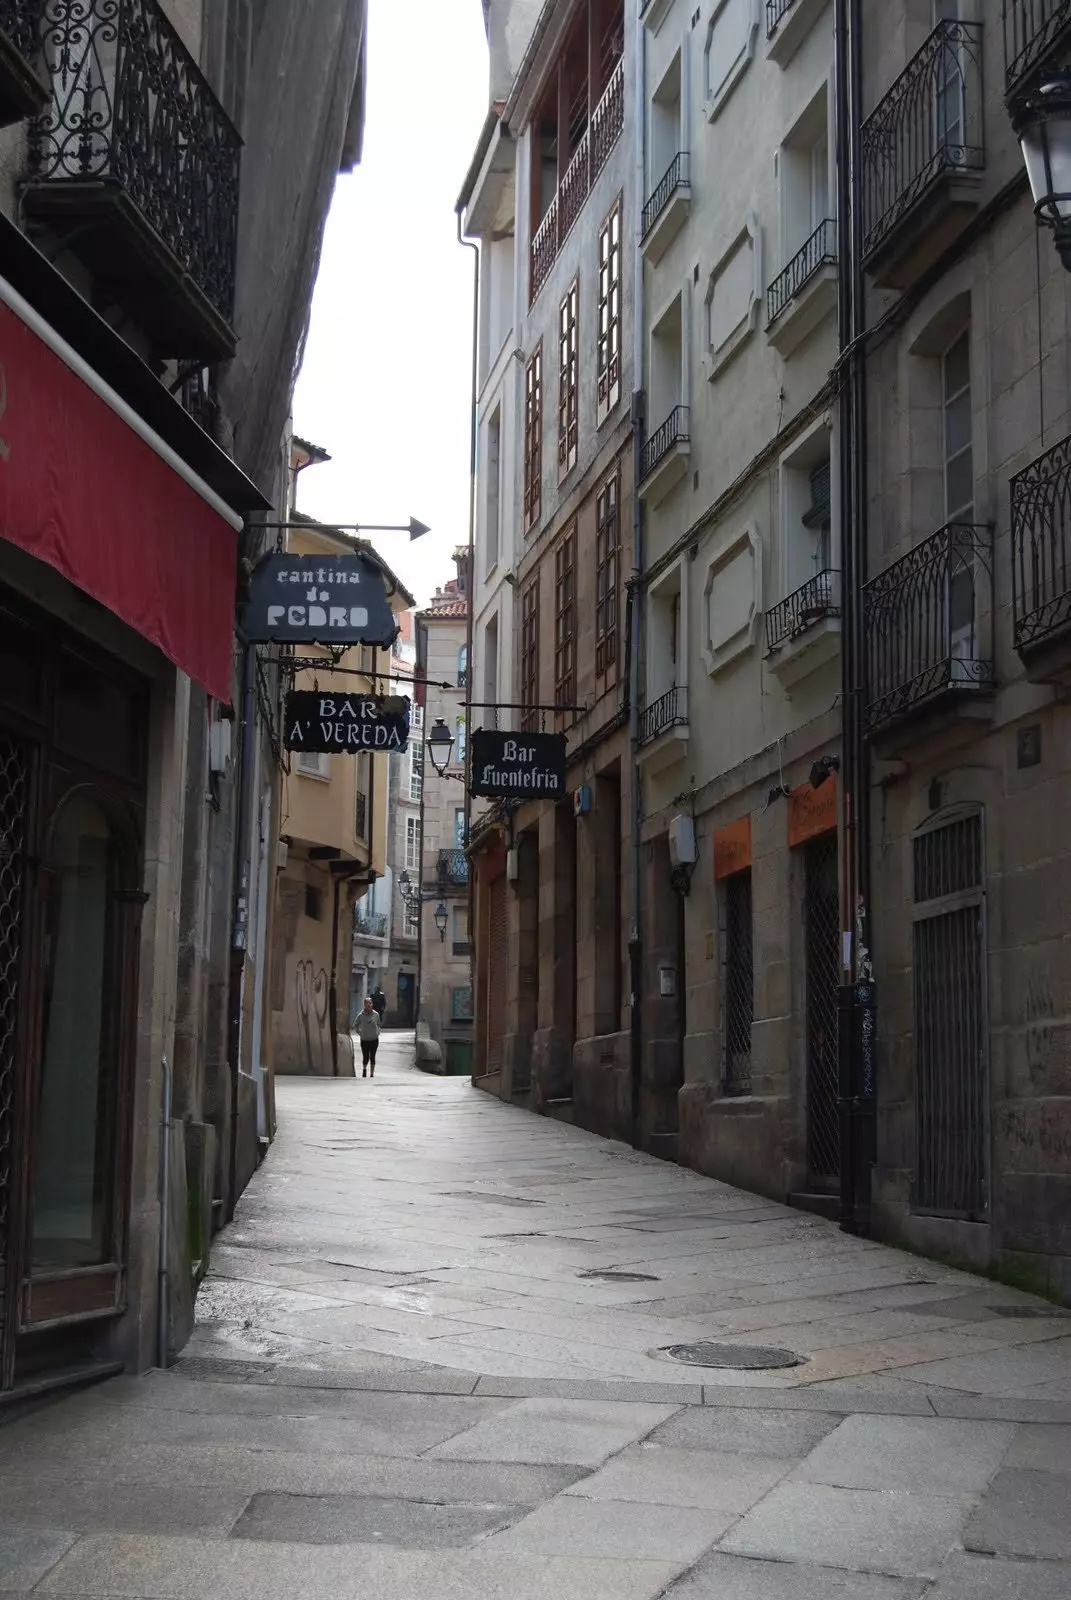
818 1201
663 1145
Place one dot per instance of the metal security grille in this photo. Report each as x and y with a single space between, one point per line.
822 920
951 1077
14 777
739 983
497 970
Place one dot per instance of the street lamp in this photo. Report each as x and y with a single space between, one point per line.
440 920
1042 124
440 743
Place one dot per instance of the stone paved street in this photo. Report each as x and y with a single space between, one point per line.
430 1362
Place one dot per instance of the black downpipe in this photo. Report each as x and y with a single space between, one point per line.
240 911
470 622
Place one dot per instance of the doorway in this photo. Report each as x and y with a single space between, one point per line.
406 999
821 907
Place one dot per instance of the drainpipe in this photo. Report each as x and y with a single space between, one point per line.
163 1282
633 621
470 624
240 911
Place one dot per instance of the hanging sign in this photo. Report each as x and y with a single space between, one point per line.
295 599
325 722
519 766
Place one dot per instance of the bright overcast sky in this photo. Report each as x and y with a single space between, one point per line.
386 381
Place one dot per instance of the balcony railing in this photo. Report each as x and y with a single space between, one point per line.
453 867
670 710
820 248
372 925
811 603
775 10
1033 31
657 446
587 162
929 124
22 89
927 621
1041 547
134 131
675 177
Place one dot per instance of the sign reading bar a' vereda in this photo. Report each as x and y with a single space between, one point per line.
325 722
518 766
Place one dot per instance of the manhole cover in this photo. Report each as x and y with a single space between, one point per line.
746 1357
620 1277
1027 1313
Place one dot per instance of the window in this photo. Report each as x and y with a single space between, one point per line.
608 359
606 556
568 378
463 666
416 753
412 844
533 432
460 731
530 655
958 454
667 365
461 1004
492 477
412 921
490 672
459 930
807 519
314 902
459 828
739 983
314 764
360 811
805 196
565 619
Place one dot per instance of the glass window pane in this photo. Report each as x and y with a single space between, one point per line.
957 366
958 423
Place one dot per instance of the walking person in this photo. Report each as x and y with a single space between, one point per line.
368 1033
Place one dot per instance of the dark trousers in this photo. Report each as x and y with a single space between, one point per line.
368 1051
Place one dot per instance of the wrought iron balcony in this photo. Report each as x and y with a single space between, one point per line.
928 127
1034 31
136 161
1041 547
579 177
927 621
670 710
658 445
775 10
23 90
820 249
453 868
371 925
672 180
808 605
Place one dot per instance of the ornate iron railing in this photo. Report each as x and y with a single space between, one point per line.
775 10
928 621
453 867
372 925
130 109
675 177
21 21
1033 30
820 248
929 123
670 710
812 602
587 162
1041 546
658 444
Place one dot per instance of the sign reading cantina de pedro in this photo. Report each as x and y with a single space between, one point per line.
521 766
325 722
296 599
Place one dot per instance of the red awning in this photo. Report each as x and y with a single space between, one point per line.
83 491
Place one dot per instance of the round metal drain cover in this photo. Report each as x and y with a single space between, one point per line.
745 1357
620 1277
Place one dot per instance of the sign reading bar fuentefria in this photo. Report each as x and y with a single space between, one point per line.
521 766
295 599
324 722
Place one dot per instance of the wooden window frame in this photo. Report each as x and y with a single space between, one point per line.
608 344
530 656
533 437
565 625
607 574
568 379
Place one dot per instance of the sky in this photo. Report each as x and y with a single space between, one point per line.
385 386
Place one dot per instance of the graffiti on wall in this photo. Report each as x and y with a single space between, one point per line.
312 1017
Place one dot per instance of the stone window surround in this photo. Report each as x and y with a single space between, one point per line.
722 548
713 101
715 360
674 580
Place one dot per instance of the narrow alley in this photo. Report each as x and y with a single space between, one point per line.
432 1360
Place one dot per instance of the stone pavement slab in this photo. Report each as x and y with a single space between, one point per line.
652 1475
26 1555
105 1506
582 1432
617 1529
363 1519
969 1577
1024 1514
886 1530
724 1577
926 1455
748 1432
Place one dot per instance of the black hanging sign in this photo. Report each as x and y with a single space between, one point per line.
519 766
324 722
295 599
